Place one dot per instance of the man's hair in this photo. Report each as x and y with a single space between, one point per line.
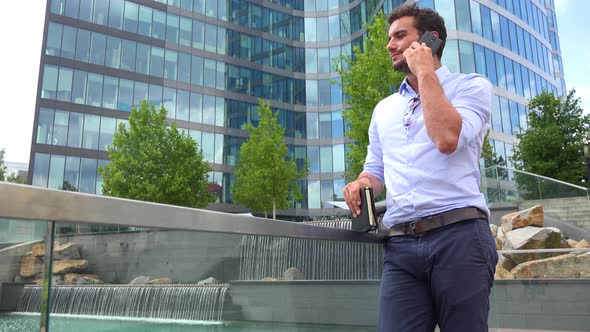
425 19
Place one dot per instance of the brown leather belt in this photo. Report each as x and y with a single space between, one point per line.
429 223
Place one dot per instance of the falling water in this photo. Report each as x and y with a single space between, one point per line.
187 302
269 257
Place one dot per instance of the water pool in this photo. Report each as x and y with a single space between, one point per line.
14 322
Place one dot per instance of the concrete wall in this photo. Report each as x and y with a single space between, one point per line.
560 305
10 259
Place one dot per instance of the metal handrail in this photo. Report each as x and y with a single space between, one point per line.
35 203
538 176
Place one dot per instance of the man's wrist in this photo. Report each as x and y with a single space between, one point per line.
368 179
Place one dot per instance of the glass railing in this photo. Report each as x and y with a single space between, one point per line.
107 264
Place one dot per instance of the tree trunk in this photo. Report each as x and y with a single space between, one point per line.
274 209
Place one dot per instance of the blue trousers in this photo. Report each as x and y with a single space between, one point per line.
439 277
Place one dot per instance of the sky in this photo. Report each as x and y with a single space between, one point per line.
21 35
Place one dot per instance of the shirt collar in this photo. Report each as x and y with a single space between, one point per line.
405 87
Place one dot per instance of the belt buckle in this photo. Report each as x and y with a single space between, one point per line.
412 228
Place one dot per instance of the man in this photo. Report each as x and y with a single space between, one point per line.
425 144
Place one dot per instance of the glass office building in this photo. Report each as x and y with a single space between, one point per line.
207 62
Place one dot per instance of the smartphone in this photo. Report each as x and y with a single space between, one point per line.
431 41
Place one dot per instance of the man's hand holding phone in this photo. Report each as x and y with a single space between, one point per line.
420 55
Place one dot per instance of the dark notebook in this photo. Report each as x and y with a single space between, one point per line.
367 219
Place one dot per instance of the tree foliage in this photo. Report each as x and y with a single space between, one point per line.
365 80
151 161
2 166
266 180
553 143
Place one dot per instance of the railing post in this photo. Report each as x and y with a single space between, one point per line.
47 273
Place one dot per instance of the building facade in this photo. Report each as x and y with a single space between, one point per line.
207 62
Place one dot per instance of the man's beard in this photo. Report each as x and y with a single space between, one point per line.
402 67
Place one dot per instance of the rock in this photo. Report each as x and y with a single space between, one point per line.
494 230
68 250
69 265
506 263
39 249
563 266
39 282
498 244
139 280
88 281
572 243
293 274
27 280
502 273
529 217
55 280
208 281
533 238
72 278
582 244
500 235
30 265
159 281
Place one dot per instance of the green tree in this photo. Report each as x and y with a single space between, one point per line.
365 80
266 180
553 143
151 161
2 166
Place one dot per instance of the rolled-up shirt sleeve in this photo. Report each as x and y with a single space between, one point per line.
374 161
473 100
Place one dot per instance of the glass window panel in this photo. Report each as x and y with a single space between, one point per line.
324 92
186 5
87 175
131 17
463 16
496 115
467 57
115 14
196 110
140 93
451 55
91 132
324 63
99 182
313 157
496 35
125 98
184 67
480 59
491 66
142 62
182 105
486 22
334 25
170 102
312 125
159 24
337 125
327 193
79 87
113 54
514 118
210 38
311 92
74 129
446 9
64 86
208 146
509 75
54 32
338 158
68 43
322 25
198 34
101 12
311 62
211 8
209 72
221 40
109 92
97 48
505 111
145 21
310 29
518 79
45 126
504 32
41 170
83 46
49 82
313 194
128 55
219 148
85 12
94 92
335 92
60 129
209 109
185 36
220 76
522 116
219 111
56 171
72 7
326 159
170 64
107 130
72 173
501 72
155 95
197 70
172 26
157 62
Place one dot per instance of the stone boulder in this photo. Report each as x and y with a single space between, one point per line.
502 273
159 281
293 274
529 217
69 266
139 280
533 238
55 280
582 244
88 281
494 229
68 250
30 265
208 281
563 266
38 250
72 278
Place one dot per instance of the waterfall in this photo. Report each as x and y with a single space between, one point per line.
186 302
269 256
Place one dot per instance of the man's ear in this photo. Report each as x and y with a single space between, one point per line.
435 33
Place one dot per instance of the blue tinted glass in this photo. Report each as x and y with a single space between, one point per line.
87 175
491 66
486 22
115 14
97 48
68 43
159 24
60 129
45 126
85 12
131 17
75 129
125 99
83 46
41 170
